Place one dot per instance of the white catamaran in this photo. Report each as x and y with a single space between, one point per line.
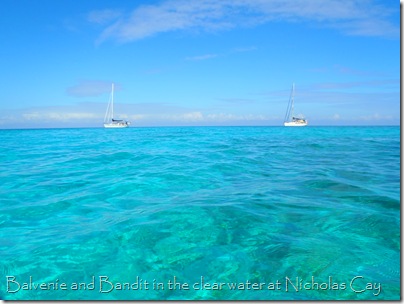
109 121
290 119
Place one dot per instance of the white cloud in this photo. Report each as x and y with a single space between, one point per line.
151 116
87 88
180 117
58 116
376 117
196 117
193 116
350 16
223 117
137 117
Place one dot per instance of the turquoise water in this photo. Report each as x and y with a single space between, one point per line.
268 207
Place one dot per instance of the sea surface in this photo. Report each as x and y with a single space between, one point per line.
200 213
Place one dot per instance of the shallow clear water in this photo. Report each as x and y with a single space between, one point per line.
230 204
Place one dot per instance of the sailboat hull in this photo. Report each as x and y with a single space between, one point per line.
115 125
294 124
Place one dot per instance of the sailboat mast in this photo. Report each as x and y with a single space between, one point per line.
293 98
112 102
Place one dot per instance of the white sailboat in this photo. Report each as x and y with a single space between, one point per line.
109 121
290 119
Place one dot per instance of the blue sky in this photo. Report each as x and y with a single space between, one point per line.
206 62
